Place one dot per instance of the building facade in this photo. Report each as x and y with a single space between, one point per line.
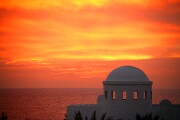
127 91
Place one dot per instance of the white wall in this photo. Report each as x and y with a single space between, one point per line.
128 108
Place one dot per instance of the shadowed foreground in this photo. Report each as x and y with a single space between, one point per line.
78 116
148 116
4 116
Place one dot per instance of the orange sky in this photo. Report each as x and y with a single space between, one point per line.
76 43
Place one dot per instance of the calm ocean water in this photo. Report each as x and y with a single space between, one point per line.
50 104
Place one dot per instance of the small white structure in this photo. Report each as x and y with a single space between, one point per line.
127 91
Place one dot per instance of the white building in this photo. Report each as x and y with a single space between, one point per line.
127 91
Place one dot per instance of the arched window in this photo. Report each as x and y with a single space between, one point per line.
124 95
135 95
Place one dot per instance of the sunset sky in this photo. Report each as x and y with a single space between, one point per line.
76 43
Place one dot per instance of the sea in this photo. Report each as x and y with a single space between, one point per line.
51 103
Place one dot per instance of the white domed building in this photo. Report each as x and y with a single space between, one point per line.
127 91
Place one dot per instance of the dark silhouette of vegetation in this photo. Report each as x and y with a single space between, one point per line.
65 115
78 116
4 116
147 117
93 117
103 116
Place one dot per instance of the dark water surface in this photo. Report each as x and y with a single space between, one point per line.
50 104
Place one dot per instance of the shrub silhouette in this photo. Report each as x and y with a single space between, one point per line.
93 117
78 116
4 116
147 117
65 115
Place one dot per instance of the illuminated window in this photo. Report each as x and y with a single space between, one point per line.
124 95
105 94
113 94
145 95
135 95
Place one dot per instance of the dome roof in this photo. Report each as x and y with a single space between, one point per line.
127 73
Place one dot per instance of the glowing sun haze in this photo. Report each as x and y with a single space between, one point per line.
76 43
